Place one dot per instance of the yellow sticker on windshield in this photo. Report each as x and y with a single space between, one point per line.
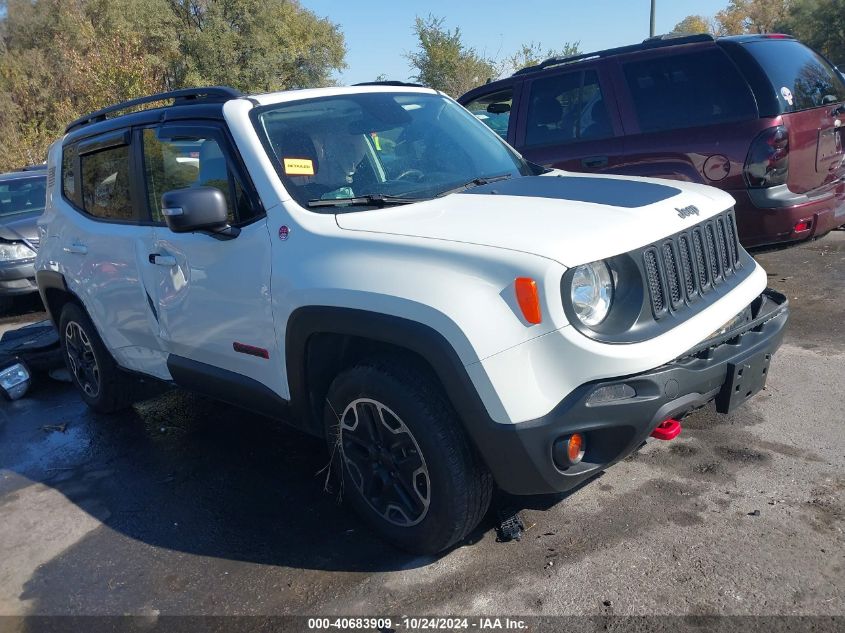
298 166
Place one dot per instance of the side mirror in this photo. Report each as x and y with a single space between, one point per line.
195 209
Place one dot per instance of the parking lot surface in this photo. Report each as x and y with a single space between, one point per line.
189 506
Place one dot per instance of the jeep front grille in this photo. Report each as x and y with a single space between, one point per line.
689 264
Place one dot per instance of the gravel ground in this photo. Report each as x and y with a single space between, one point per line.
186 506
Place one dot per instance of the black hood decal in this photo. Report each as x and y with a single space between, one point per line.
608 191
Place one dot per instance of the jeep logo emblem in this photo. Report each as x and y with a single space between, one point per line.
687 211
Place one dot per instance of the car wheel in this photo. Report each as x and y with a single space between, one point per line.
405 463
102 384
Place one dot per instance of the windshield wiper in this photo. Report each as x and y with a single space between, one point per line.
475 182
374 199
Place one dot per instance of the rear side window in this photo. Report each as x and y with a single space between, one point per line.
801 78
70 188
566 108
105 184
680 91
494 110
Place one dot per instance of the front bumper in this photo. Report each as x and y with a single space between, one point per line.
520 455
17 278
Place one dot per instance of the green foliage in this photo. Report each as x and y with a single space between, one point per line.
443 62
533 53
62 58
821 25
694 24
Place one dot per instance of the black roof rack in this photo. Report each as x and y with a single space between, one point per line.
658 41
180 97
389 83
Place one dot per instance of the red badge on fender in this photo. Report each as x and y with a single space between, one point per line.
284 232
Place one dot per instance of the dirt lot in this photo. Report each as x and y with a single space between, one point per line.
187 506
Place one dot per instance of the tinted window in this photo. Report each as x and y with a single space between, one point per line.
69 179
800 77
105 184
175 160
702 88
494 110
566 108
22 195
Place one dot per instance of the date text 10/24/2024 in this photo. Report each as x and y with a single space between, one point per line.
418 623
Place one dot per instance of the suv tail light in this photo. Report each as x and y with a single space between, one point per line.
767 164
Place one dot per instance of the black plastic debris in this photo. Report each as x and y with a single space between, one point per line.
37 344
510 526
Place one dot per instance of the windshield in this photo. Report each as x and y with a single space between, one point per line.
393 145
22 195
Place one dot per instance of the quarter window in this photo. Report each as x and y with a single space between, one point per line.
494 110
105 184
174 161
567 108
681 91
69 179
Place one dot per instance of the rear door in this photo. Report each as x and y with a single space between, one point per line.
212 295
809 92
569 120
105 242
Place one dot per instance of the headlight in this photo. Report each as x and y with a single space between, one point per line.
14 381
10 251
592 292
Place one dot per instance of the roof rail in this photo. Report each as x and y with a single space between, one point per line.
389 83
211 94
658 41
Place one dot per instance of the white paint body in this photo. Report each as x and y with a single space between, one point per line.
448 263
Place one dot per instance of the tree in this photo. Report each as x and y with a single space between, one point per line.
533 53
751 16
819 24
694 24
443 62
62 58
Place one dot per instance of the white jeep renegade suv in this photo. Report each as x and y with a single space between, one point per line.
375 266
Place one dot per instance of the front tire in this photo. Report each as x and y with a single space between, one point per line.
100 382
405 463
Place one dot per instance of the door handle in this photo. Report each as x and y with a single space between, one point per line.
162 260
79 249
594 162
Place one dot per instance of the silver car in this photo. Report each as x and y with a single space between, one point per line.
22 199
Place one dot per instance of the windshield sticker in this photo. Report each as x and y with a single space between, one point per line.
786 93
298 166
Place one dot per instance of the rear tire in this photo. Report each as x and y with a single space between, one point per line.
404 461
102 384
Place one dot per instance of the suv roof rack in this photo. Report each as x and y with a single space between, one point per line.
389 83
658 41
210 94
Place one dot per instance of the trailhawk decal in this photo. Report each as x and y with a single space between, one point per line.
605 191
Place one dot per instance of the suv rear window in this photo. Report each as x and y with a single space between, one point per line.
801 78
680 91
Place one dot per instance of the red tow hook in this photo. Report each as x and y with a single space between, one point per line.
667 430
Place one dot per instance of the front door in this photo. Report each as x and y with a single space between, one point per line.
213 294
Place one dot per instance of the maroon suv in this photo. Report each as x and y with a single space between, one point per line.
758 116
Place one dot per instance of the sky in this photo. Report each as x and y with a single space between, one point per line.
379 32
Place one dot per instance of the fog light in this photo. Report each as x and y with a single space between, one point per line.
14 381
611 393
568 451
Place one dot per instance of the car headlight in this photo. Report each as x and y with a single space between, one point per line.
11 251
592 292
14 381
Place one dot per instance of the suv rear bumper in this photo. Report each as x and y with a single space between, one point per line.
520 455
767 217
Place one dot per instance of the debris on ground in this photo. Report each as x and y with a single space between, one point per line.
61 374
61 428
510 526
35 343
756 513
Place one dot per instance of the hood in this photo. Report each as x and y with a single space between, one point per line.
570 218
20 226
